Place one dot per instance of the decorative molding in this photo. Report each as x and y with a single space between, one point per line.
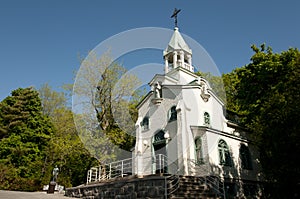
157 101
204 94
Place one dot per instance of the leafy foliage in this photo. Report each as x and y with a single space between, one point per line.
32 143
51 100
107 90
24 138
266 92
65 147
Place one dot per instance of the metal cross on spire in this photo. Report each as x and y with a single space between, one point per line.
174 15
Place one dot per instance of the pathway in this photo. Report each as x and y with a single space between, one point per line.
30 195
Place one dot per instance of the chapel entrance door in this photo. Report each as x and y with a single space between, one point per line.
160 153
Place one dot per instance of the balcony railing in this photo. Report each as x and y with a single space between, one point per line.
184 65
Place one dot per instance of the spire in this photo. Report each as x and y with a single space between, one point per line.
177 53
177 43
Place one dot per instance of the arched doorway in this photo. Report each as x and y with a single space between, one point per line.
160 162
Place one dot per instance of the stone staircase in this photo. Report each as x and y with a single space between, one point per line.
194 187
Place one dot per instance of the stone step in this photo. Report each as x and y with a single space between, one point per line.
194 195
196 190
193 187
162 197
177 197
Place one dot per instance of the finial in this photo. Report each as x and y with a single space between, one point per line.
174 15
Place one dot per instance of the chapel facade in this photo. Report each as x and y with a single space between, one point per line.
183 129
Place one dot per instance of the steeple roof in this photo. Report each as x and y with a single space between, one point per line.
177 43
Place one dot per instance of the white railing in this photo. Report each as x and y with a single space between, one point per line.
113 170
184 65
161 163
123 168
172 182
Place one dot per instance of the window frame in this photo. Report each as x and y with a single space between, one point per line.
145 123
206 118
225 158
172 114
198 151
245 157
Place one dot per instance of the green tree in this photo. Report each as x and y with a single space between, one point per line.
25 135
231 81
51 100
67 151
106 88
65 147
266 92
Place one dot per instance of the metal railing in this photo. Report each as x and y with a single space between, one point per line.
216 184
213 181
173 180
113 170
161 163
124 168
171 184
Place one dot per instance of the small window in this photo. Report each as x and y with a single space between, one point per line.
224 154
206 119
198 148
172 114
145 123
245 157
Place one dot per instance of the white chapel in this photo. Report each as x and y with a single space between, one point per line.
182 128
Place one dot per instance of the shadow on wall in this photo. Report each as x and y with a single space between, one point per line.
240 179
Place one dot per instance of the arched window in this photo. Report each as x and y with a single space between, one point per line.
224 154
206 118
145 123
198 149
159 137
245 157
172 115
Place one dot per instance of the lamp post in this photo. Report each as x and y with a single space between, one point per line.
167 138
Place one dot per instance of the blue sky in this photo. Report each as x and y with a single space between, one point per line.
40 40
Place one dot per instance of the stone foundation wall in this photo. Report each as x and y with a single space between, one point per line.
158 186
152 187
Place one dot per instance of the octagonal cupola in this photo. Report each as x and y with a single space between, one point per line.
177 53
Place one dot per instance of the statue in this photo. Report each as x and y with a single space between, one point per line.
52 183
204 94
55 173
157 88
157 93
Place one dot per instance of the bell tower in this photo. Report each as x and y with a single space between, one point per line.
177 53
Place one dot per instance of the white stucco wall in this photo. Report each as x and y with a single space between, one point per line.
191 108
